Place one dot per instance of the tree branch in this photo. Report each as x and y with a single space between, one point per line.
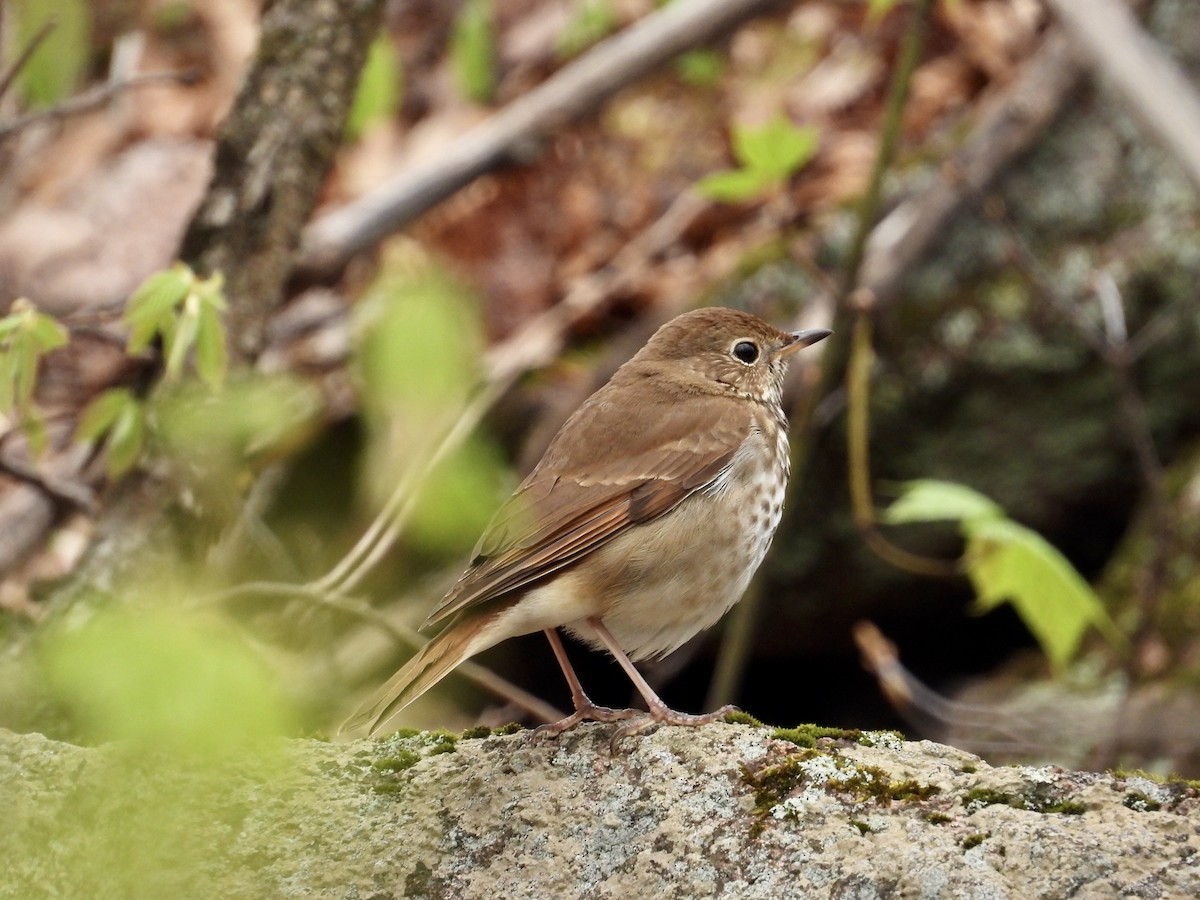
578 87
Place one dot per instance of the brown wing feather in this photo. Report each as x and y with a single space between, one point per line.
569 505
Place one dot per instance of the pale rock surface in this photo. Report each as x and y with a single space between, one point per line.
671 814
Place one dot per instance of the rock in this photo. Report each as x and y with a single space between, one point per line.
726 810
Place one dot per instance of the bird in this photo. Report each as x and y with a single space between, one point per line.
640 526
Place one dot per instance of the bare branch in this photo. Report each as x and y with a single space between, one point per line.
1153 87
1008 128
95 98
580 86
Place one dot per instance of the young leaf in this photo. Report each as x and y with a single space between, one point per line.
125 441
101 413
211 292
47 332
732 185
25 361
183 336
1007 561
153 303
777 149
212 358
8 381
9 324
930 500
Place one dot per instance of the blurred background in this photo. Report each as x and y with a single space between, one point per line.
204 539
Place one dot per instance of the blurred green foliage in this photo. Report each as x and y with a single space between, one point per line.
380 87
119 416
1008 562
215 443
161 678
55 68
473 50
26 335
767 157
418 364
185 312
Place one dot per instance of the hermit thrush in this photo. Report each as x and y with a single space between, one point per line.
641 524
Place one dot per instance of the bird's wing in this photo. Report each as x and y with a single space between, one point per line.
571 503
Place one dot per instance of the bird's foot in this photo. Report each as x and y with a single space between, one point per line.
664 715
585 712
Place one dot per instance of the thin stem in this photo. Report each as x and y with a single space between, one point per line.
862 358
384 531
893 120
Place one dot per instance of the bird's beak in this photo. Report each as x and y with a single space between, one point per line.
806 338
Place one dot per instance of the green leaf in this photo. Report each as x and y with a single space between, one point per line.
125 440
47 332
379 87
212 356
1008 562
930 500
472 50
101 413
8 381
25 363
9 324
178 343
777 149
211 292
152 305
732 185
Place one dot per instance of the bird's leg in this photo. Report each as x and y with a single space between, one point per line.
585 709
660 713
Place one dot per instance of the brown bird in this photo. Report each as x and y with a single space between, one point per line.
642 523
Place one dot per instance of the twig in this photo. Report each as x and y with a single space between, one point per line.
95 98
857 305
926 708
536 344
76 496
893 118
1152 85
579 86
540 340
858 450
472 671
1007 128
1135 422
1118 350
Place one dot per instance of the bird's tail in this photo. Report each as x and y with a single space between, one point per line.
432 663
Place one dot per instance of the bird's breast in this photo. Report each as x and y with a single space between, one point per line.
663 581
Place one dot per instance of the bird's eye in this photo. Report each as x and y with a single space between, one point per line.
746 351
